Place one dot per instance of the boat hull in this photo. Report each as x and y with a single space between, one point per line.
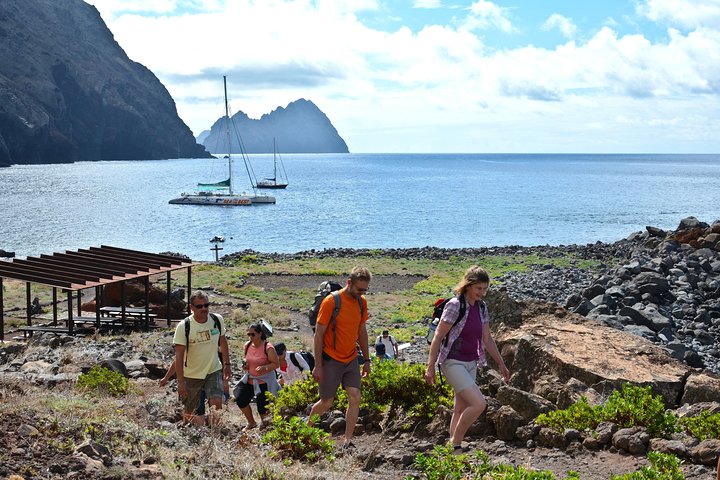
271 185
222 200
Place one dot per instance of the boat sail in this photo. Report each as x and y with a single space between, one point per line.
273 181
221 193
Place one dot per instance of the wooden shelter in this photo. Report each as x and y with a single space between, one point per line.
96 267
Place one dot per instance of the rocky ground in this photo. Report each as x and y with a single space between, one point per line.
660 286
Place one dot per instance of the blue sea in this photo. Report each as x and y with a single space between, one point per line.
357 201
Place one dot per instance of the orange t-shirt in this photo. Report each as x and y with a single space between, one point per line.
347 323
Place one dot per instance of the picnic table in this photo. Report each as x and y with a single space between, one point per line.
138 312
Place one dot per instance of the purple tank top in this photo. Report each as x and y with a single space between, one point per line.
466 347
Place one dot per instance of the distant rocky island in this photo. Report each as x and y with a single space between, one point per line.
68 91
301 127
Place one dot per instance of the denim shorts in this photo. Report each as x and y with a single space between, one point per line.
460 375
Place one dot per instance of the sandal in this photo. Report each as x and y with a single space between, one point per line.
249 427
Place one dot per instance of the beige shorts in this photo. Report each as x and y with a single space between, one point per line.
460 375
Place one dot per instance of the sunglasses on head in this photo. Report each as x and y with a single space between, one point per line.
202 305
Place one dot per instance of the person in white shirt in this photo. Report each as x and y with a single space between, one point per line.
289 371
391 346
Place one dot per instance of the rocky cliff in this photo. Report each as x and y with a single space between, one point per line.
301 127
68 92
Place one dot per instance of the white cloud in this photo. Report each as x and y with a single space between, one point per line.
689 14
562 23
427 3
485 14
435 89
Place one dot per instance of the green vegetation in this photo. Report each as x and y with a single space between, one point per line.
294 439
662 467
402 385
442 464
629 407
103 380
391 385
704 426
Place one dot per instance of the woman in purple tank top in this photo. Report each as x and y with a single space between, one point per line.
459 346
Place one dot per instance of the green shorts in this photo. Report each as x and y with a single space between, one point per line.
212 385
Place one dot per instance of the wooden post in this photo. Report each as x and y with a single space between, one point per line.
189 292
147 303
27 303
2 313
167 297
54 302
71 321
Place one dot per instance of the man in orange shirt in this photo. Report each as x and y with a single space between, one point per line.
335 348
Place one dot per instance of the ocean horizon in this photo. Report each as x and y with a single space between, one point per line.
358 201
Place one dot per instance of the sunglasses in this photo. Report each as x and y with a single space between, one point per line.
251 334
202 305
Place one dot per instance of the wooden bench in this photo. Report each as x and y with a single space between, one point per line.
30 329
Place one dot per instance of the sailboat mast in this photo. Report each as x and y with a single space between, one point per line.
274 162
227 133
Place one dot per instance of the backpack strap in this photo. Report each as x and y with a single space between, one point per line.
338 303
294 360
461 314
247 345
216 322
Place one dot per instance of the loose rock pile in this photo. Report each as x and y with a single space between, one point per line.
667 291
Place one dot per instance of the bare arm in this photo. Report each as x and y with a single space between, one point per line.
317 351
364 348
180 369
492 349
169 374
225 354
274 362
441 332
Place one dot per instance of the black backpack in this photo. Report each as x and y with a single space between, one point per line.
437 314
309 358
216 320
324 289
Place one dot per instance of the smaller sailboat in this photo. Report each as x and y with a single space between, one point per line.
273 181
221 193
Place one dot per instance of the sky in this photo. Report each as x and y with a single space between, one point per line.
445 76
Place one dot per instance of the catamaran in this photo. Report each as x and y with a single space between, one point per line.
221 193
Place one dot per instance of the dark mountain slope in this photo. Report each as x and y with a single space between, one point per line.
68 92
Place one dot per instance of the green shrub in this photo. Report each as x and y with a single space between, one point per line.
662 467
298 396
703 426
101 379
394 384
294 439
637 406
631 406
442 464
580 416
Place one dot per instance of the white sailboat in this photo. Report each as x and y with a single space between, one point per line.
221 193
274 182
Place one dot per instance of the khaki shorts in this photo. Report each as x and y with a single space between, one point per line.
212 385
336 373
460 375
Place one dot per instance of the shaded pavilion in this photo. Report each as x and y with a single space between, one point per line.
72 272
